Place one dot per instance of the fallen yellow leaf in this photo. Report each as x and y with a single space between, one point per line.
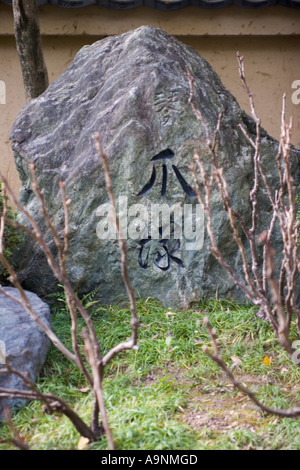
267 360
83 443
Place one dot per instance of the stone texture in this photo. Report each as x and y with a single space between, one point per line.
132 89
26 346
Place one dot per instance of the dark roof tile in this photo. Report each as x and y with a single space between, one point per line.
167 4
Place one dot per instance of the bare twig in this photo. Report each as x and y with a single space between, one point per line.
18 440
52 402
75 307
73 302
59 270
217 175
216 357
279 307
98 371
132 343
23 299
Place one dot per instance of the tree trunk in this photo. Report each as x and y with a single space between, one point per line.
29 47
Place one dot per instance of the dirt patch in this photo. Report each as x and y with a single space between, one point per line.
214 404
173 374
221 413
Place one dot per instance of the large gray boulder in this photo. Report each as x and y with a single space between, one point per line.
132 88
22 342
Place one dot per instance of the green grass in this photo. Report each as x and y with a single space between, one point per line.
169 394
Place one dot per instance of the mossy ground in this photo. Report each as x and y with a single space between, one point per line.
169 394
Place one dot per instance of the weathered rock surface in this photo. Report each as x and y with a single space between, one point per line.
26 346
133 90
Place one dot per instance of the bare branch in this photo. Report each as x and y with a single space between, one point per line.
280 308
52 403
92 347
216 357
98 370
17 440
122 244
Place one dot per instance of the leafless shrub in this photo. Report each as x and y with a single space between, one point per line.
274 294
215 356
92 360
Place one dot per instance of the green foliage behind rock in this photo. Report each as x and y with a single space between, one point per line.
12 238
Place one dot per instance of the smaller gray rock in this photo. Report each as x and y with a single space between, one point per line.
25 344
